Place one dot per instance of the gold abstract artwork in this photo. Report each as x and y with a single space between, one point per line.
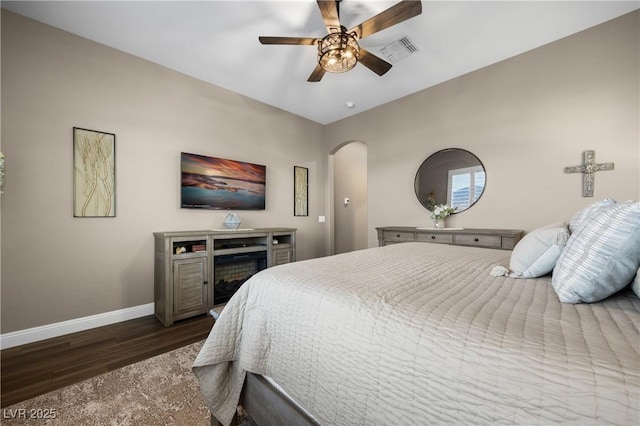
94 173
301 183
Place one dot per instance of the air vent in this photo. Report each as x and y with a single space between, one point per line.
399 49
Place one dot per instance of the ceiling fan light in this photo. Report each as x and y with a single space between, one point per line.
338 52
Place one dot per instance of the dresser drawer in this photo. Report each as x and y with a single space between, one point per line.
398 236
494 241
435 238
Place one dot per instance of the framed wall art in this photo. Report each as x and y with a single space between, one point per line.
223 184
300 191
94 173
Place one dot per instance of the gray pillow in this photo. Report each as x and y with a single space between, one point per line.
536 253
635 285
602 255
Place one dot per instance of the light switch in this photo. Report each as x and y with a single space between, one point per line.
347 201
322 219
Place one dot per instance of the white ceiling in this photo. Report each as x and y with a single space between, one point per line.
217 41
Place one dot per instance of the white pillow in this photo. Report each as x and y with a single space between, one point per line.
635 285
536 253
601 257
583 215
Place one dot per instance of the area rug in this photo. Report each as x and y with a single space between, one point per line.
157 391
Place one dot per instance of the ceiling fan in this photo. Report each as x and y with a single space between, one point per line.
339 51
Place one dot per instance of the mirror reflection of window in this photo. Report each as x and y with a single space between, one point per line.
451 176
465 186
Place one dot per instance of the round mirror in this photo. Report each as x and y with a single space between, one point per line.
452 176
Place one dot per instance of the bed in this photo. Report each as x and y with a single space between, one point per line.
419 333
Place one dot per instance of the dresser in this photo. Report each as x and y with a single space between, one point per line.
505 239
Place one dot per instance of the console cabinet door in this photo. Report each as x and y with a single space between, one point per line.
282 256
190 286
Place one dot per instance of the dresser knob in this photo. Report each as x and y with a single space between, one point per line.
433 237
476 239
397 235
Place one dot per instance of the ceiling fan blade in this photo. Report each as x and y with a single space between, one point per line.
400 12
371 61
288 40
330 15
316 75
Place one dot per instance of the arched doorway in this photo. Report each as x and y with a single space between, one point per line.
350 202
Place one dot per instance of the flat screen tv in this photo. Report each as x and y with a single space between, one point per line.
217 183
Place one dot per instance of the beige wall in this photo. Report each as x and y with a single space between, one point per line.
56 267
526 118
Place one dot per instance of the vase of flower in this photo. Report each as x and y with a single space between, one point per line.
439 212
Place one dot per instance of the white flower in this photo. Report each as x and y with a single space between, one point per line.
440 211
1 169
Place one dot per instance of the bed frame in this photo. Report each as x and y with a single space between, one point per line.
266 405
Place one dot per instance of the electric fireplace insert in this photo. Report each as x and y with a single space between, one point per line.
230 271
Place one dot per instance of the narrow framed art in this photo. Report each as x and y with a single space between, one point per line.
94 173
300 191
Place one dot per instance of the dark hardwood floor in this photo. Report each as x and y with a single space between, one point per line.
41 367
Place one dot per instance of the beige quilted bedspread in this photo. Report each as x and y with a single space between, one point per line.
422 333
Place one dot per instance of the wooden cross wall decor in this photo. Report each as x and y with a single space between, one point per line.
588 169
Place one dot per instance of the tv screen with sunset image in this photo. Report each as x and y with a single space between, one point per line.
218 183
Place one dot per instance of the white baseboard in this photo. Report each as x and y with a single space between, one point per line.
35 334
